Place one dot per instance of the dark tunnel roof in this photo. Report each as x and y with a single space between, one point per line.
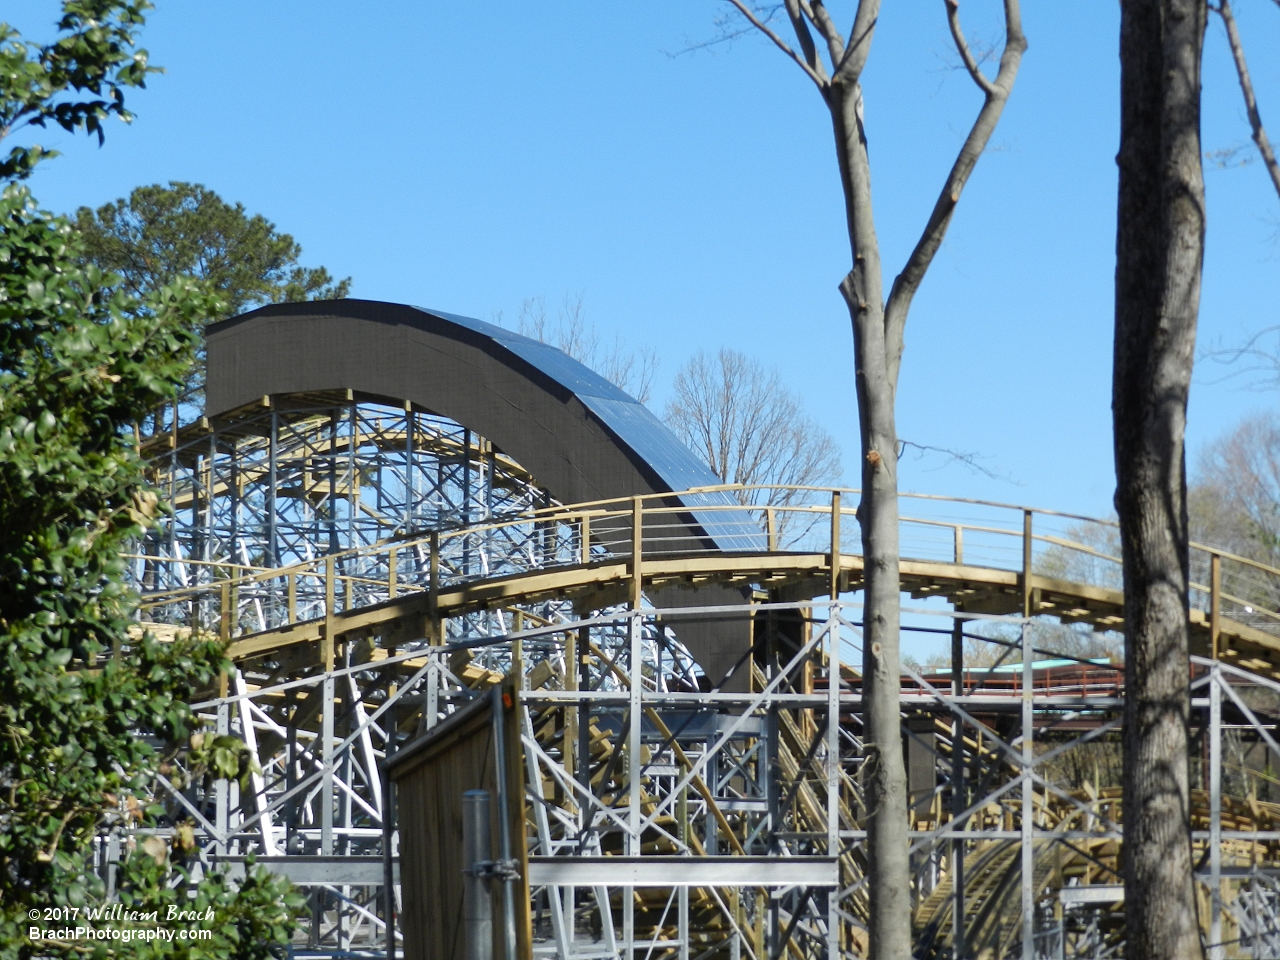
581 436
632 422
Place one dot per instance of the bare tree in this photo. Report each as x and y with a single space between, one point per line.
1223 10
1159 258
878 327
573 333
751 429
1234 502
1259 358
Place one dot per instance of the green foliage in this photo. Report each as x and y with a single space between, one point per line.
161 233
222 757
164 911
251 920
95 55
81 700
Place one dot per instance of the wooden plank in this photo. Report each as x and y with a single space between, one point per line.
975 589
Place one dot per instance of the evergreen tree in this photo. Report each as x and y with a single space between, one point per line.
81 700
158 234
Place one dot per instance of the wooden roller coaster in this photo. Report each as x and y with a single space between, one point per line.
706 810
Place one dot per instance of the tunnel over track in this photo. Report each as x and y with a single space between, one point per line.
583 438
578 435
588 443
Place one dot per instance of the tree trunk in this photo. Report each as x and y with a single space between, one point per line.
1159 253
884 771
878 328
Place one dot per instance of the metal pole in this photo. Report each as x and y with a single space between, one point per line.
409 422
1215 603
958 791
1028 753
210 524
221 791
833 771
465 516
173 491
388 853
334 547
273 552
1028 797
833 730
682 821
584 713
633 772
636 722
352 476
477 907
504 820
1215 815
326 753
835 547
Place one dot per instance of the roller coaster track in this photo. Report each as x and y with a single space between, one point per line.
585 554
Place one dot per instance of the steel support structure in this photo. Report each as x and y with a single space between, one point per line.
375 569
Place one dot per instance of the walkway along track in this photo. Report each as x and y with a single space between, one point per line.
400 587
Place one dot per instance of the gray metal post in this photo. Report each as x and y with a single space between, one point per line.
173 491
958 791
1215 815
465 516
431 709
326 755
409 423
633 775
476 905
833 768
221 788
273 440
583 767
682 823
388 860
353 436
209 521
1028 799
504 822
334 546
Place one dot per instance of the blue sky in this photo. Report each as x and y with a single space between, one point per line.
467 156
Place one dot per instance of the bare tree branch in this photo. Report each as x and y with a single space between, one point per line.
1227 158
908 281
817 12
962 46
726 36
1223 9
801 27
859 47
1264 365
966 459
778 42
573 333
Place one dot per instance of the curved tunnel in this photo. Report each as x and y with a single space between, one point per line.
583 438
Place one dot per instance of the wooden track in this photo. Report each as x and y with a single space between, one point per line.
794 575
599 534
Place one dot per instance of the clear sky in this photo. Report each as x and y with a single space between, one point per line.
466 156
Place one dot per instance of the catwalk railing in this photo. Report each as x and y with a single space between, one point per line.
967 536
